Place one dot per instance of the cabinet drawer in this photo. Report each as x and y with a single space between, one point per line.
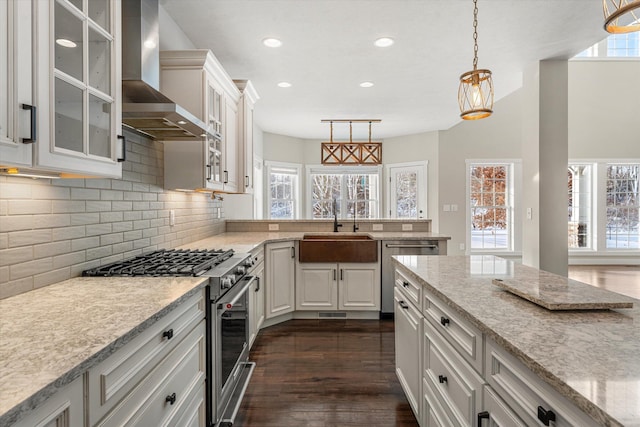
433 414
161 397
114 377
461 334
526 393
497 412
455 382
410 288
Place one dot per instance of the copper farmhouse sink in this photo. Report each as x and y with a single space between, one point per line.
338 248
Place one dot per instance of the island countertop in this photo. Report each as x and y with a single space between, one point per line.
592 357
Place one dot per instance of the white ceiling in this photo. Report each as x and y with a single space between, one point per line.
328 50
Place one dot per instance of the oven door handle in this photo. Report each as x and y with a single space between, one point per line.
245 287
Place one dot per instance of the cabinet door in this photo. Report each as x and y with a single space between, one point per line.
230 177
15 83
245 139
317 286
79 90
280 272
359 287
256 303
408 327
63 409
214 106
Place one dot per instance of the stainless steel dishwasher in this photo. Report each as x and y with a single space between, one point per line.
399 247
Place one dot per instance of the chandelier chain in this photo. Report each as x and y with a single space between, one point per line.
475 34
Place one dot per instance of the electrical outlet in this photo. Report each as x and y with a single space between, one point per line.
377 227
529 213
407 227
172 217
274 227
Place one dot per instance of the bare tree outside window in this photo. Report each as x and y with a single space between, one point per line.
282 195
623 206
354 193
407 195
490 216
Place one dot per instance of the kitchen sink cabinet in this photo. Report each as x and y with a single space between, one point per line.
196 80
66 116
63 409
338 286
280 265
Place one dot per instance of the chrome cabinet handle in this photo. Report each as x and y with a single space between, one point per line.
411 246
32 137
226 177
246 181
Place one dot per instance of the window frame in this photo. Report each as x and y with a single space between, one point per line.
340 170
593 207
514 189
422 184
294 169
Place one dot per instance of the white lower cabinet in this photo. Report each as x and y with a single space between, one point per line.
342 286
408 338
63 409
279 269
256 297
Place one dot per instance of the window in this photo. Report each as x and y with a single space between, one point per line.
625 45
355 190
580 181
490 206
283 191
623 206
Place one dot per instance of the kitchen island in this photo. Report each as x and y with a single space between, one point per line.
591 358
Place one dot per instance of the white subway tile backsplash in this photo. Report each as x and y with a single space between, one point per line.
30 237
85 243
52 230
26 207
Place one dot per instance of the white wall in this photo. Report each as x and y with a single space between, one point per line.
171 35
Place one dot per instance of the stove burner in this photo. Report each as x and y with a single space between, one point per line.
176 262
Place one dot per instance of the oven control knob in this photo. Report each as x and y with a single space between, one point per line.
226 282
240 270
248 262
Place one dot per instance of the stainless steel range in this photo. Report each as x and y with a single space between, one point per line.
228 366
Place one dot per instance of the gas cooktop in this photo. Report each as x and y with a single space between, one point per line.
175 262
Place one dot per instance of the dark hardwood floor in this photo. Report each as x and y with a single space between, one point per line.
313 373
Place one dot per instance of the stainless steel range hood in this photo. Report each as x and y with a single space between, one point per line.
144 107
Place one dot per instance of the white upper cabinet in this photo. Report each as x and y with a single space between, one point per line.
245 135
15 83
78 80
196 80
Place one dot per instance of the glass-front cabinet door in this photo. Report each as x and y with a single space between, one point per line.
16 97
78 79
214 163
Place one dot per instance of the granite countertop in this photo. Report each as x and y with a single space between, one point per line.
247 241
51 336
590 357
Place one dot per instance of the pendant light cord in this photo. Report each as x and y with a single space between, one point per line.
475 35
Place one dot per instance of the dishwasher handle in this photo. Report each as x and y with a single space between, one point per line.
409 246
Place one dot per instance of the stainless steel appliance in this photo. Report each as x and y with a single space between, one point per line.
399 247
228 366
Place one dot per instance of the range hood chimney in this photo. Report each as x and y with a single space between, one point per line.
144 107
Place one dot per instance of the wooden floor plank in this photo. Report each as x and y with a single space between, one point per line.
325 373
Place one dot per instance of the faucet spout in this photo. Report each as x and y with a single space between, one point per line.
335 217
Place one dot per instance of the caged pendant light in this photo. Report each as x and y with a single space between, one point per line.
475 94
621 16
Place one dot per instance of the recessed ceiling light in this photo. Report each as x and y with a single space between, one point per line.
271 42
366 84
284 84
384 42
66 43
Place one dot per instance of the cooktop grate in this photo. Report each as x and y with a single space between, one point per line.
175 262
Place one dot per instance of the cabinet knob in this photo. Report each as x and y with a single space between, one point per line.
442 379
168 334
444 321
546 416
170 399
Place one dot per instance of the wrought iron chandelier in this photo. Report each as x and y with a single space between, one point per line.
620 16
475 94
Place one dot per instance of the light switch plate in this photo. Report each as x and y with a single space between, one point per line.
407 227
274 227
446 208
377 227
454 208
